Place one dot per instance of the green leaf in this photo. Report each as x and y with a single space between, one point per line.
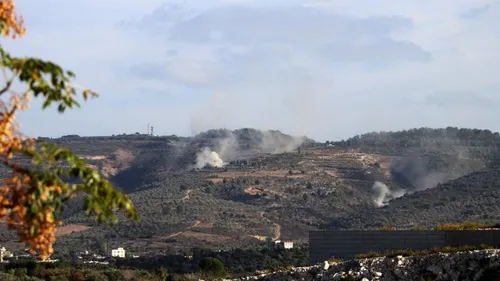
54 165
45 78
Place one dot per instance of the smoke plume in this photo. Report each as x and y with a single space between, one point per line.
225 146
228 146
273 142
384 194
207 157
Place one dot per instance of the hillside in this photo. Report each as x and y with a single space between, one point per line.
474 197
236 188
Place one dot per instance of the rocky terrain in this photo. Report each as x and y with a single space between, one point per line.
478 265
238 188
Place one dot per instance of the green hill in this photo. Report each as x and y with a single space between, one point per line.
273 185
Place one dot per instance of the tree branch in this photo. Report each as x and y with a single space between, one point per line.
15 167
6 88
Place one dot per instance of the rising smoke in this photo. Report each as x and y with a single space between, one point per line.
288 100
273 142
207 157
245 143
383 194
441 156
415 174
226 148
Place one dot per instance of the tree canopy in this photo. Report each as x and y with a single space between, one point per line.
32 197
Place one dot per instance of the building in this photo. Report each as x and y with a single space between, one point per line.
278 244
288 245
118 253
2 253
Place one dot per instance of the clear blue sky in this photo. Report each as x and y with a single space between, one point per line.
328 69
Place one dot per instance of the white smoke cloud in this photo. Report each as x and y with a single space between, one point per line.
229 147
384 194
274 144
208 157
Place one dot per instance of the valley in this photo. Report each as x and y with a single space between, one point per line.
274 186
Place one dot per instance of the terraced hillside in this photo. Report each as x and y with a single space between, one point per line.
276 186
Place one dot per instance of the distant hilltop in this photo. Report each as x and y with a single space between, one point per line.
242 134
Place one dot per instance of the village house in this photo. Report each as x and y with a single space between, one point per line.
118 253
4 253
278 244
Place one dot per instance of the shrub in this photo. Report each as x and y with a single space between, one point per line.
162 273
95 276
466 226
348 277
410 253
386 228
212 268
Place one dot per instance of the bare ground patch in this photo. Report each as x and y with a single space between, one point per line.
70 228
195 224
256 173
252 190
211 238
259 237
216 180
205 225
93 157
332 173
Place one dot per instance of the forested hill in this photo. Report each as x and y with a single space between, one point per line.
264 192
479 143
474 198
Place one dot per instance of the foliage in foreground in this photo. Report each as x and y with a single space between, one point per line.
204 264
449 226
466 226
32 197
61 272
212 268
237 262
411 253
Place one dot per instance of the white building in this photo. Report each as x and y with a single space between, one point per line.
278 244
118 253
288 245
2 253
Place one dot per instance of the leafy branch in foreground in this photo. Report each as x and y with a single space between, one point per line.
32 197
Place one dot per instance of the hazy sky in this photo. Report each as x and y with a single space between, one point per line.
326 69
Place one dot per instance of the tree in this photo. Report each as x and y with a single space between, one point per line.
102 246
32 197
212 268
162 273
